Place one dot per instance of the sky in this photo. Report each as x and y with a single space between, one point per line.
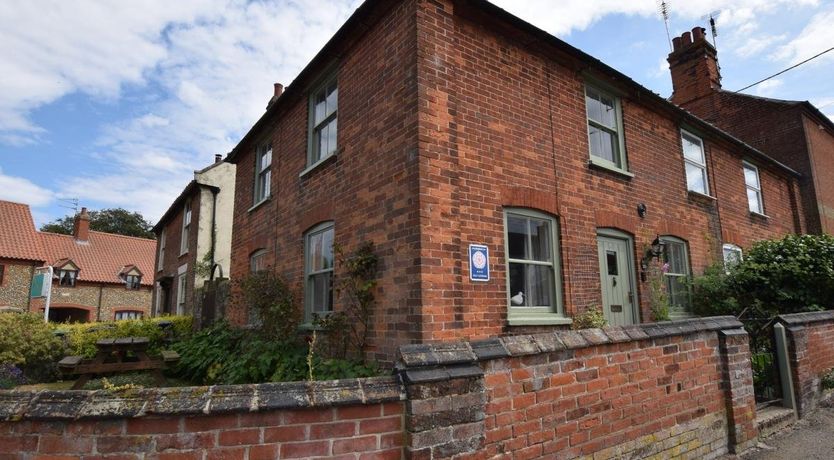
115 103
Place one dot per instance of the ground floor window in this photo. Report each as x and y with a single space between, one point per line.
676 273
128 314
732 256
182 287
532 262
318 271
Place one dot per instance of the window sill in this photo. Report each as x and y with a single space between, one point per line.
259 204
759 215
539 320
320 163
604 167
700 196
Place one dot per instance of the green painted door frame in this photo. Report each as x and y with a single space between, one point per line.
617 280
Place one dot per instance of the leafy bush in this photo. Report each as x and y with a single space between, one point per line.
222 354
82 337
589 319
273 301
827 380
790 275
28 343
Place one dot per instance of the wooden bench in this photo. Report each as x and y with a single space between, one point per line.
69 363
112 357
170 356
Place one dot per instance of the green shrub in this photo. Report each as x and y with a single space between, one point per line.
827 380
222 354
273 302
27 342
589 319
82 337
790 275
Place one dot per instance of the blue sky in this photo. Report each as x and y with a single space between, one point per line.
116 103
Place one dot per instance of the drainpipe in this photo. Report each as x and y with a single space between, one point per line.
98 313
214 192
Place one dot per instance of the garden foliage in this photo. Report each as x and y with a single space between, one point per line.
81 338
791 275
28 343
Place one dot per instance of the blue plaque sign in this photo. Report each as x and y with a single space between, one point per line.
478 262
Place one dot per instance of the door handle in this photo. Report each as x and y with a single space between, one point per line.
631 298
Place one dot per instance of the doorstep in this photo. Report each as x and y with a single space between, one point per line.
772 419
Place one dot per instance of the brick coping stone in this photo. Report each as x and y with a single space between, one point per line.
796 319
208 400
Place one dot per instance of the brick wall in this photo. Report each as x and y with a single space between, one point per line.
357 419
368 189
683 389
820 138
172 259
100 300
811 355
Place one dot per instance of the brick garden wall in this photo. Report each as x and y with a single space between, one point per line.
811 355
356 419
683 388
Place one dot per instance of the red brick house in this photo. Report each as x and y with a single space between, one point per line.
428 126
794 132
98 276
195 230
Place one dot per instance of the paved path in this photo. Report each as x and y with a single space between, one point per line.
811 438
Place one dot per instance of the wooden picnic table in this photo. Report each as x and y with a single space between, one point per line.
115 356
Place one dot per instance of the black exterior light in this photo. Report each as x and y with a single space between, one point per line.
641 210
654 252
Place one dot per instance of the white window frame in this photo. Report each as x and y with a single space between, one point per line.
263 174
309 273
728 248
621 151
182 288
160 264
748 187
686 311
133 282
131 314
314 156
535 315
702 167
186 227
72 275
158 299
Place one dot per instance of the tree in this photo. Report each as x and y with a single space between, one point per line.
114 220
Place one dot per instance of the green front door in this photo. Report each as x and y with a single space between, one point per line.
617 280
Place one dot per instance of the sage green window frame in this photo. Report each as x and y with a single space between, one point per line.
536 315
331 119
691 164
597 93
263 174
680 305
756 188
310 273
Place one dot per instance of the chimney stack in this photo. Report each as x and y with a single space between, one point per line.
694 67
218 158
81 229
278 90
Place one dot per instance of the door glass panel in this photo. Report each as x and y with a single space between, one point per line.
611 258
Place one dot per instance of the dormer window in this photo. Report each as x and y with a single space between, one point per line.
67 277
133 281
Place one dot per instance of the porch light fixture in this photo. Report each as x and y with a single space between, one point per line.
654 252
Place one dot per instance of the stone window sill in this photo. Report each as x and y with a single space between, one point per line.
319 164
607 168
539 320
259 204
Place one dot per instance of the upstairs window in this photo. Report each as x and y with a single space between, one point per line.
128 314
263 173
318 271
605 129
186 227
754 188
324 108
160 263
133 281
732 256
695 163
676 272
67 277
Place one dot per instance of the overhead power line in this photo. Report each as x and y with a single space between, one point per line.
789 68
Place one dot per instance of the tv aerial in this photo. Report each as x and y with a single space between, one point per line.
663 9
712 26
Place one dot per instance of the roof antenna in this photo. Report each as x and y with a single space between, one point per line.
713 28
663 7
71 203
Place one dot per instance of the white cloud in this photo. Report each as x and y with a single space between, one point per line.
768 88
22 190
816 37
